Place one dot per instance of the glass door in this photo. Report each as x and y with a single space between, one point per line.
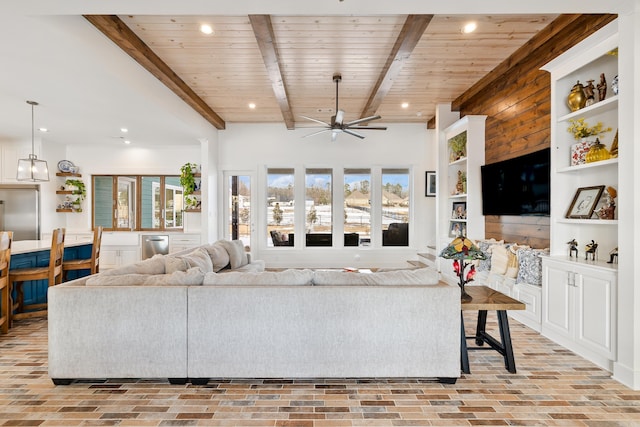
239 224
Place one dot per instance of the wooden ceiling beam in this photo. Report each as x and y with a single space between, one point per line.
412 30
263 30
118 32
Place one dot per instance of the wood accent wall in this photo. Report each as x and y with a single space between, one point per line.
517 102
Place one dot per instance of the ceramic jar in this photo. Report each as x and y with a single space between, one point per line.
577 98
597 152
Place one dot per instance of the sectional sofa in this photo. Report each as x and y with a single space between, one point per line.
186 318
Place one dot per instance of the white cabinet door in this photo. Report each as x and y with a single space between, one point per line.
108 258
557 284
113 257
595 320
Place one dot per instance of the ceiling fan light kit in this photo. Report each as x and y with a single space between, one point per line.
337 125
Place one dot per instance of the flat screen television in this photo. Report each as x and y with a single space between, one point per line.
518 186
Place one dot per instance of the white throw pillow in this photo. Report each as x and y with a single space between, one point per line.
237 255
286 277
420 276
219 256
198 258
499 259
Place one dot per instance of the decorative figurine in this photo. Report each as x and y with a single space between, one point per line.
591 248
573 247
602 88
589 91
608 210
613 256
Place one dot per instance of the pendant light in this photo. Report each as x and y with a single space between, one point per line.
32 169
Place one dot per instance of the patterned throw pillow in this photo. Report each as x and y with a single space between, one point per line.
530 263
485 247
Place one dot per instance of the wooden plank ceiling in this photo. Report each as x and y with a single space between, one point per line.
284 64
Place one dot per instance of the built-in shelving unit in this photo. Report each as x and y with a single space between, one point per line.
579 293
67 195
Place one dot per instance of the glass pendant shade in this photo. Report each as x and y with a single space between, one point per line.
32 169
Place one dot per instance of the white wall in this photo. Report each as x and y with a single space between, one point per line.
254 147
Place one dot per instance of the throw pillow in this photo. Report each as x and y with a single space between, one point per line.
286 277
198 258
219 256
154 265
192 277
485 247
512 263
237 255
499 259
132 279
530 270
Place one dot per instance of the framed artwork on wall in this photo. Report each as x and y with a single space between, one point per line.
430 185
584 202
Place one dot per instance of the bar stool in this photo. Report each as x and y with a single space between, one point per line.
92 264
51 273
5 258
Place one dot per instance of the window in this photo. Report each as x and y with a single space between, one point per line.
137 202
280 207
395 207
317 211
357 206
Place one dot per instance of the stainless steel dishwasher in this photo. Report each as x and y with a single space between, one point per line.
154 244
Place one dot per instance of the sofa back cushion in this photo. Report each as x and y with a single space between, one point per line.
420 276
219 256
192 276
154 265
198 258
286 277
237 255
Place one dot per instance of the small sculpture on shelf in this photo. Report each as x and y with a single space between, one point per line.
613 256
591 249
589 91
607 211
602 88
573 247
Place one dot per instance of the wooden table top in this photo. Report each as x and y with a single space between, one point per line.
485 298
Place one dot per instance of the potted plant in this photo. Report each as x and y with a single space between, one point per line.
188 183
77 189
458 146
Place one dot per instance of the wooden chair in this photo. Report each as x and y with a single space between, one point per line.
5 258
52 273
92 264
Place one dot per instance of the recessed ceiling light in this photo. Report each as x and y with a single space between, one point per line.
124 130
126 141
43 129
252 105
469 27
206 29
405 105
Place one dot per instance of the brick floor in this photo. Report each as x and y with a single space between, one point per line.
553 387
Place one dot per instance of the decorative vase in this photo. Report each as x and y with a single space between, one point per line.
597 152
577 98
614 85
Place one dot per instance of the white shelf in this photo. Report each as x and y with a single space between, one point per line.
578 168
460 161
596 222
599 107
457 196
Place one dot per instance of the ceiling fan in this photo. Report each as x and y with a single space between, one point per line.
338 125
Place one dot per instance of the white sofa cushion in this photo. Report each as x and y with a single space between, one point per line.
154 265
420 276
198 258
191 277
219 256
286 277
237 255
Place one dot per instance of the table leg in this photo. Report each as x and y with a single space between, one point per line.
481 326
464 354
505 337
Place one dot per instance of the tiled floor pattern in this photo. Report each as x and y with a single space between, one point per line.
552 387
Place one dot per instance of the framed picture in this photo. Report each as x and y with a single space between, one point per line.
584 202
430 186
459 210
457 229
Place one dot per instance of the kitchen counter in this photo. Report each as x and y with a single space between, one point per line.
29 246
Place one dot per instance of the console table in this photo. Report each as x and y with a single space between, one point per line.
483 300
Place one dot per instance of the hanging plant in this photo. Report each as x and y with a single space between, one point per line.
77 188
187 178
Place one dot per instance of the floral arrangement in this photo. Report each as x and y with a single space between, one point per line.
581 129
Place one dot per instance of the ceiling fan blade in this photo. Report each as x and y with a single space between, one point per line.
339 117
367 127
334 135
317 121
350 132
316 133
363 120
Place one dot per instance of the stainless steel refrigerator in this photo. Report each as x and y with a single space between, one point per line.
20 211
